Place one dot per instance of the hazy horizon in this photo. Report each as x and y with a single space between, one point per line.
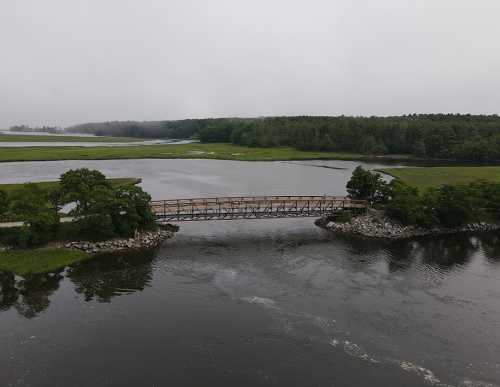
67 63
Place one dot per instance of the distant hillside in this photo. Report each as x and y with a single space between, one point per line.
444 136
150 129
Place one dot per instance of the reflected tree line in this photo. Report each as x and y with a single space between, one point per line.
110 276
444 252
98 279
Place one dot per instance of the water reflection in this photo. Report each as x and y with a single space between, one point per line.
30 295
490 244
445 253
99 279
112 275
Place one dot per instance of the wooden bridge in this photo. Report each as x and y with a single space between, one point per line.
253 207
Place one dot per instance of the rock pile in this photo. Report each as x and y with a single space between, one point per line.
375 225
141 241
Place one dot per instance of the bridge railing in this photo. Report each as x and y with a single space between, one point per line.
236 207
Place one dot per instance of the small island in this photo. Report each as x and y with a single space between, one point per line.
399 210
105 215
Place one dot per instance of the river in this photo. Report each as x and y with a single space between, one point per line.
255 302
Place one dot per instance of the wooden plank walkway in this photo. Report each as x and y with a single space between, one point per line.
252 207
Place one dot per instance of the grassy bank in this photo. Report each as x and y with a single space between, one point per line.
23 262
52 185
179 151
426 177
52 138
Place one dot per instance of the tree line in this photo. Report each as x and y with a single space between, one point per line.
172 129
41 129
443 136
440 136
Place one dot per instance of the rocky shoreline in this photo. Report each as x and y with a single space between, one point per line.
375 225
144 240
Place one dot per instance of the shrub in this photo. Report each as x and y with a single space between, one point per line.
405 204
96 227
453 206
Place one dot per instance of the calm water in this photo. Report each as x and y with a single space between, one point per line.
249 303
24 144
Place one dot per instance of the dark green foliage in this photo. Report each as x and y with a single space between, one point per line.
465 137
131 210
4 204
486 195
409 207
40 219
220 133
454 205
151 129
104 211
366 185
9 236
97 227
448 206
79 186
405 204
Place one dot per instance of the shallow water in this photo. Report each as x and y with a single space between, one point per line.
255 302
86 144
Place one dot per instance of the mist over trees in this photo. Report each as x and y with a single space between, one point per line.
180 129
445 136
41 129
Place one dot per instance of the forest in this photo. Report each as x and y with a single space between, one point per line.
464 137
179 129
437 136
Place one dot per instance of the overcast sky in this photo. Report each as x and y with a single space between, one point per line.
71 61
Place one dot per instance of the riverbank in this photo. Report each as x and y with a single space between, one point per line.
58 255
218 151
375 225
144 240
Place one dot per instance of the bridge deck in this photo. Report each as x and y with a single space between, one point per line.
252 207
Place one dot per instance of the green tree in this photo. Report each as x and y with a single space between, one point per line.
77 185
131 210
94 216
366 185
104 211
40 220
